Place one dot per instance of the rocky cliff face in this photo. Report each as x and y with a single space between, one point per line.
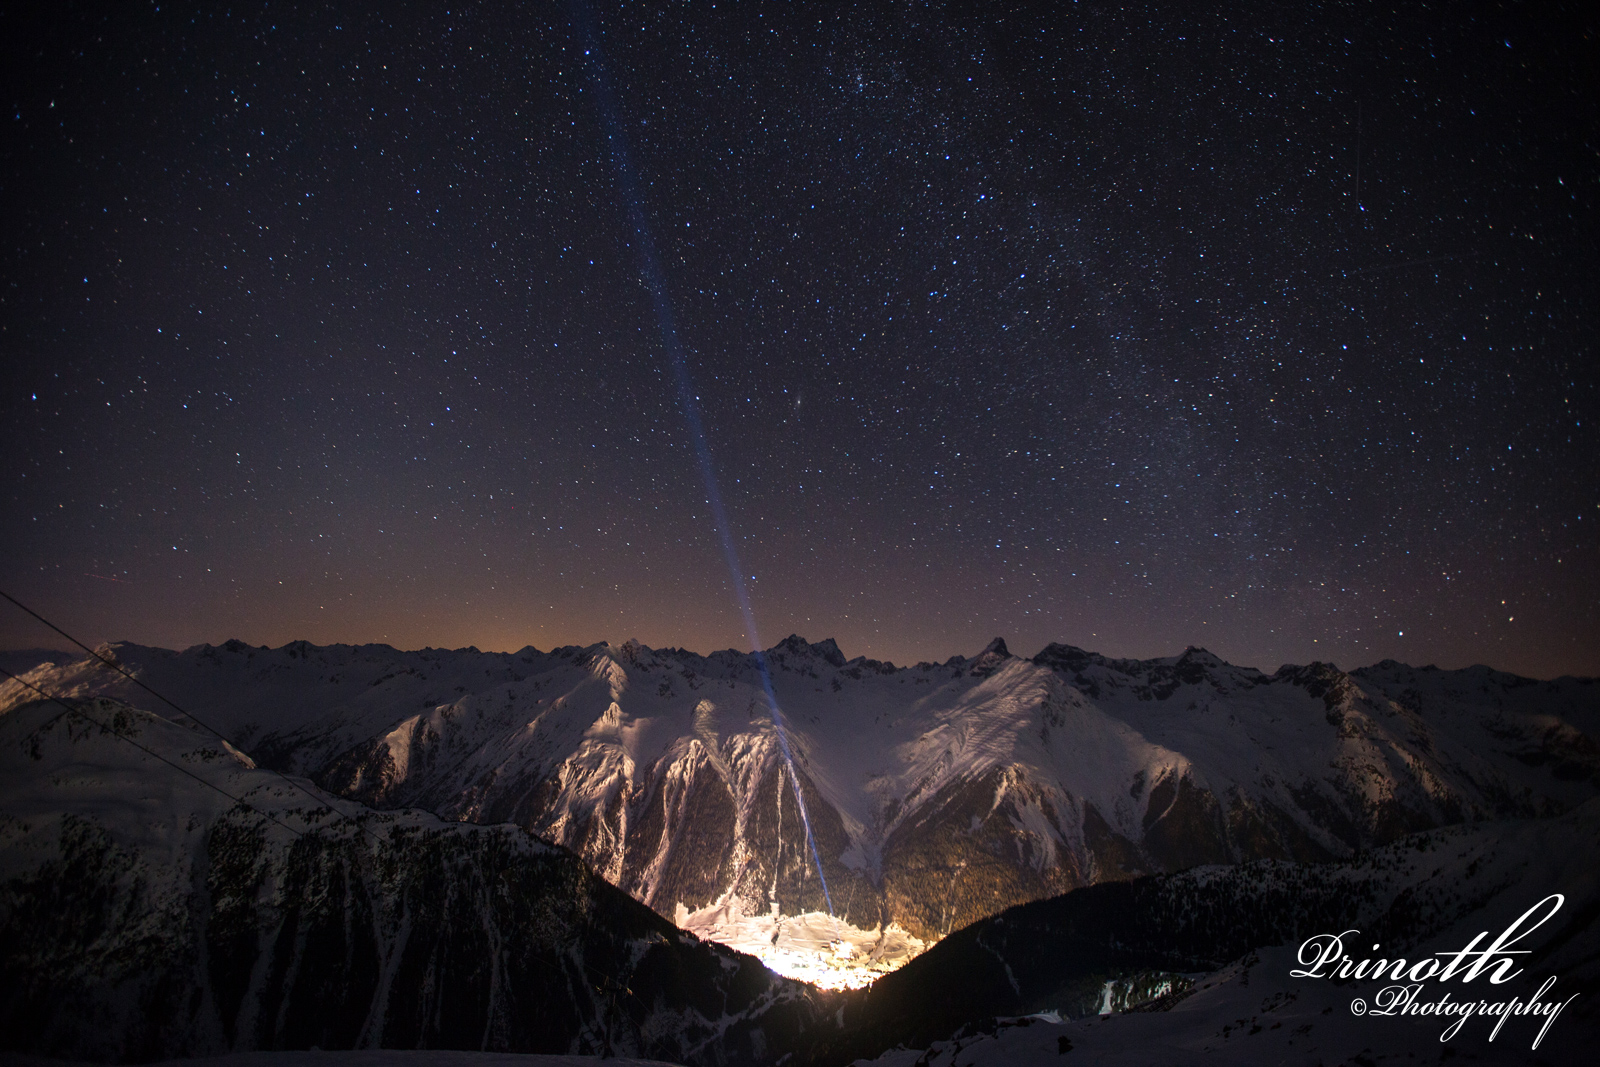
161 897
937 794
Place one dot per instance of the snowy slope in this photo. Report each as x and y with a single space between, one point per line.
1009 990
937 794
160 896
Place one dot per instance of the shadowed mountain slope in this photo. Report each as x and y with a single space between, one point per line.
144 914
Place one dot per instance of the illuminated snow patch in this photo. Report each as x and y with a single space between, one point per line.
812 947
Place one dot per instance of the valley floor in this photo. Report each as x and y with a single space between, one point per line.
814 947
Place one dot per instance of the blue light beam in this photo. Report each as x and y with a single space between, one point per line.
655 281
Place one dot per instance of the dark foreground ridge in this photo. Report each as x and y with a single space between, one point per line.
193 929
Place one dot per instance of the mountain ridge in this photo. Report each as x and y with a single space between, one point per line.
937 793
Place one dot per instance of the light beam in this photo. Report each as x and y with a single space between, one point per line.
655 282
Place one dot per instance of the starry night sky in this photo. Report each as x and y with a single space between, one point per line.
1269 328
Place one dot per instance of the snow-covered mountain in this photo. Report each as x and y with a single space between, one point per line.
160 896
937 794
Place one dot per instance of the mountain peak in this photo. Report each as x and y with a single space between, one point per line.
827 649
1065 657
990 659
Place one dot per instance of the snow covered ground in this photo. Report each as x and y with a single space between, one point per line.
1449 891
1253 1013
365 1058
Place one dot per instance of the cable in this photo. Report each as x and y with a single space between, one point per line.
148 751
611 985
114 665
120 669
